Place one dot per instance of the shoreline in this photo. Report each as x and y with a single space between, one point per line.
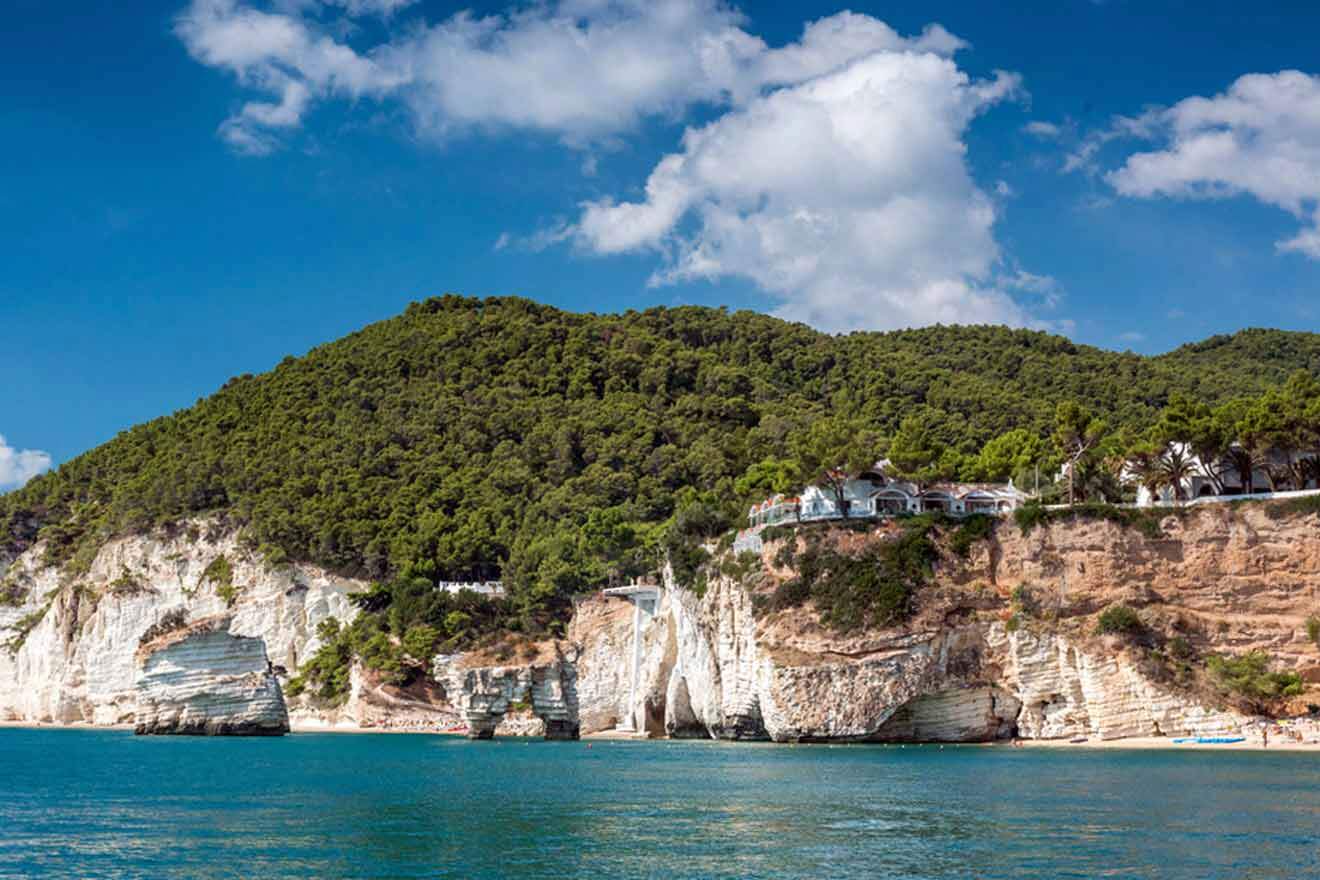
1251 744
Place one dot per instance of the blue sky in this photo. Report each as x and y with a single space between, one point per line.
192 190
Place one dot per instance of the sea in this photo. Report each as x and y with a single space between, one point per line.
103 803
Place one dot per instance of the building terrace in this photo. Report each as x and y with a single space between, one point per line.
873 495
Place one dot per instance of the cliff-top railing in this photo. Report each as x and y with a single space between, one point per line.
1208 499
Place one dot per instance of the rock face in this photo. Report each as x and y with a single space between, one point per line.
535 699
966 667
202 679
70 643
1235 580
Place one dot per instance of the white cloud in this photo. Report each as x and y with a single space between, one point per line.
370 7
846 197
836 178
278 54
1260 138
553 234
349 8
1044 130
582 70
19 466
1045 286
1084 156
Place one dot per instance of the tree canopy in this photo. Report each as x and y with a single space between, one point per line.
474 438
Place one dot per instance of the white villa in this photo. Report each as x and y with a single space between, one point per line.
872 495
1198 483
489 589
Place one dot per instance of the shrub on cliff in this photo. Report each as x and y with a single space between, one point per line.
220 574
1249 677
329 669
127 584
170 621
1119 620
1146 521
23 627
11 593
1293 507
872 589
790 594
977 527
1025 601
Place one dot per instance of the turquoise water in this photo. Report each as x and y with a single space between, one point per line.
78 803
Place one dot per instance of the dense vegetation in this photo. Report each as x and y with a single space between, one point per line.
475 439
403 624
1250 678
1119 620
873 588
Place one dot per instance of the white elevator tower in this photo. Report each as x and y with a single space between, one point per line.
645 599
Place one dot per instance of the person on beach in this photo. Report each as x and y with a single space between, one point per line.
1264 737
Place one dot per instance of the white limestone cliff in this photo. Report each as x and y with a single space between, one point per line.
729 677
713 665
203 679
537 698
68 649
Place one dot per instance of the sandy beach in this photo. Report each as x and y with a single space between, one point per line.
1251 744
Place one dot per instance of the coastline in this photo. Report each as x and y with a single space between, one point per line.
1250 744
52 725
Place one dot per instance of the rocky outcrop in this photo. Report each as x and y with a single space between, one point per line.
70 644
1066 691
203 679
602 632
970 665
544 690
711 670
1228 580
974 714
422 707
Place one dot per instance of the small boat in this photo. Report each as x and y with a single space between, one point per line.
1209 740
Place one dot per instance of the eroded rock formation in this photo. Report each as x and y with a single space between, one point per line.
967 667
536 698
971 664
70 642
203 679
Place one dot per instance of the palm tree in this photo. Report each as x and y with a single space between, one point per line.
1174 467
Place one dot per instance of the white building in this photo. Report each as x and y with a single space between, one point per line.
1199 482
872 495
489 589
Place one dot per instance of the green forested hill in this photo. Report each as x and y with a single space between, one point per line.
1215 367
469 437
